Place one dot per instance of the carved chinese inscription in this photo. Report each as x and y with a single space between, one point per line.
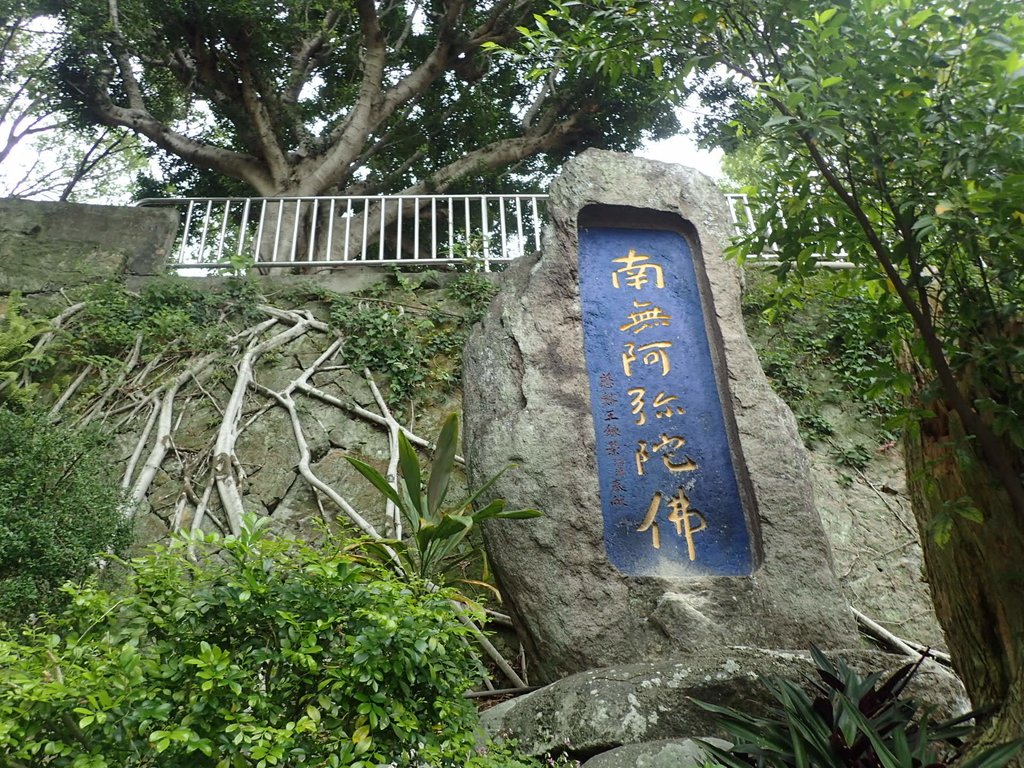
670 497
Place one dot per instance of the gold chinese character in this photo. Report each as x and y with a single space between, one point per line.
636 271
672 444
650 523
653 353
645 318
683 516
628 358
641 456
661 400
637 404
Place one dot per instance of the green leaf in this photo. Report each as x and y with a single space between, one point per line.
779 120
492 509
919 18
409 464
722 756
882 752
451 527
970 512
444 462
995 757
825 16
483 488
377 479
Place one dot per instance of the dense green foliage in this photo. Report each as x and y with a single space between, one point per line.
415 345
938 228
825 353
850 721
242 651
17 336
173 316
418 347
59 511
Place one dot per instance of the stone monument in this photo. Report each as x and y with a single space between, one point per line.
614 371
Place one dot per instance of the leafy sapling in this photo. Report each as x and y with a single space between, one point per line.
438 531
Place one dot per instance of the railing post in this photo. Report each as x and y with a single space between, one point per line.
415 230
188 228
330 232
244 227
485 247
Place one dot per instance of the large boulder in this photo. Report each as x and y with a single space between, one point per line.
527 401
593 712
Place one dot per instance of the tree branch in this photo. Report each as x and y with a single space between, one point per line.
991 448
124 64
348 139
234 164
499 153
304 56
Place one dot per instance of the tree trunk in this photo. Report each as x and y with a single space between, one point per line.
977 577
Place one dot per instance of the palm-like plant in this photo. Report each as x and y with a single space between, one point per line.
438 531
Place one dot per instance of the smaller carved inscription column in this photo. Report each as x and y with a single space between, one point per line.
669 470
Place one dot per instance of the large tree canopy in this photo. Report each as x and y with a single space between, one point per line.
350 96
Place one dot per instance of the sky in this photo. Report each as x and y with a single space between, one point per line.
681 149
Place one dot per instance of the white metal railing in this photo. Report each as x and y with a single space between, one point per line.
289 232
283 232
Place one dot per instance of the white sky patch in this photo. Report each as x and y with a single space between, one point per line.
681 149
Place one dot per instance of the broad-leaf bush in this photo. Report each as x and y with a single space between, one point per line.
242 651
17 334
58 511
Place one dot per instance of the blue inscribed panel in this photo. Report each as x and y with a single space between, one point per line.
669 494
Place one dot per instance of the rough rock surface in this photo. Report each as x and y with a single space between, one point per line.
48 246
875 543
526 401
593 712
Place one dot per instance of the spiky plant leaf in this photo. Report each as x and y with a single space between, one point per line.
409 465
444 462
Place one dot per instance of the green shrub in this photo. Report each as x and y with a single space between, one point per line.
257 652
17 334
474 291
850 721
417 349
820 341
58 510
173 315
